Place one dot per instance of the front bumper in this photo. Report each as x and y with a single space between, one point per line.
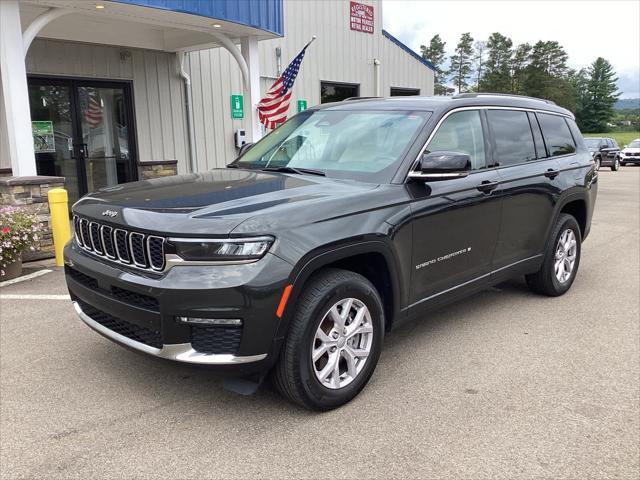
141 311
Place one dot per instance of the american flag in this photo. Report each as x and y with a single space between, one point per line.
272 109
91 109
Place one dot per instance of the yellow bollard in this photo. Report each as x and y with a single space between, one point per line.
59 208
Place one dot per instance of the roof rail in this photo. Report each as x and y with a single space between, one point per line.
488 94
350 99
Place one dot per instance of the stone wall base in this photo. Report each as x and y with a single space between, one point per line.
30 194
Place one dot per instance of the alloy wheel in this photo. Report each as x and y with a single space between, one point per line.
342 343
566 254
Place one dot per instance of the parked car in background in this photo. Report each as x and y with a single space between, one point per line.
605 151
631 153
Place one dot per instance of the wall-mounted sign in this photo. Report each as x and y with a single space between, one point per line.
43 138
361 17
302 105
237 106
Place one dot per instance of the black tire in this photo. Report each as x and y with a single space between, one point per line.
294 375
545 281
616 165
622 164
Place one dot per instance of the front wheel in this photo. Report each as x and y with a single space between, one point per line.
334 341
616 165
561 259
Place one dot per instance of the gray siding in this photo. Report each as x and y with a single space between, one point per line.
157 89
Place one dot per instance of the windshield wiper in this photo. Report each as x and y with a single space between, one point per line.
299 171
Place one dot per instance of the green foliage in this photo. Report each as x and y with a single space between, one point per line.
479 54
462 63
547 75
623 138
596 106
497 76
519 63
435 54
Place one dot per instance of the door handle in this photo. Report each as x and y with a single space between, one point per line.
487 186
551 173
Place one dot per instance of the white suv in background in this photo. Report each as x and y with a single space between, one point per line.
631 153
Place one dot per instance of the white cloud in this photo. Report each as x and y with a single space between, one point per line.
586 29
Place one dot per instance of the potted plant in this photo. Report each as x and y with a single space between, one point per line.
19 231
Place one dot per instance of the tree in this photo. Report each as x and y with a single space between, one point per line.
547 75
519 62
479 53
435 54
497 76
461 62
578 82
601 96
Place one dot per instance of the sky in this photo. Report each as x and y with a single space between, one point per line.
586 29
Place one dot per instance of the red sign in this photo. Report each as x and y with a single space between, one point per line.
361 17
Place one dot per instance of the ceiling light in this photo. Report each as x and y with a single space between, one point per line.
216 25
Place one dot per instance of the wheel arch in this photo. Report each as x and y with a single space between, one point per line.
576 205
373 259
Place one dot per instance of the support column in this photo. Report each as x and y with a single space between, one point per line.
249 46
15 93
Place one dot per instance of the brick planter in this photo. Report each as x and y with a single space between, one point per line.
30 193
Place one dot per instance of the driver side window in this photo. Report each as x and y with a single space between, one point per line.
461 132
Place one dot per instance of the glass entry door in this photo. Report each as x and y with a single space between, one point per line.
91 143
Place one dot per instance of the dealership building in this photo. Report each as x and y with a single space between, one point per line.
97 93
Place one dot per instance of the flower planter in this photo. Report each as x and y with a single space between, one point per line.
12 270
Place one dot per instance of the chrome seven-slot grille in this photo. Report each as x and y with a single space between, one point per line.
122 246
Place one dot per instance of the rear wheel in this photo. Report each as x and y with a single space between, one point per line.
334 341
561 259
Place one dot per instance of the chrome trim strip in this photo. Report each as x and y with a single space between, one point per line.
99 251
179 352
103 228
76 229
172 260
148 247
133 256
221 240
126 240
84 243
416 174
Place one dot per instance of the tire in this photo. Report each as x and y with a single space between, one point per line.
295 374
622 164
616 165
598 162
546 281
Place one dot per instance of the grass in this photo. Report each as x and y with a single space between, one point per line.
623 138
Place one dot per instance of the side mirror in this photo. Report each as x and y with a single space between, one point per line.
442 166
245 148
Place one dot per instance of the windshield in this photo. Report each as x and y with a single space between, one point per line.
592 142
634 144
365 146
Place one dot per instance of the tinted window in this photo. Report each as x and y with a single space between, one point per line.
513 137
336 92
537 136
461 132
557 135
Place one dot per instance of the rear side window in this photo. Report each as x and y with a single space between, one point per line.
513 136
557 135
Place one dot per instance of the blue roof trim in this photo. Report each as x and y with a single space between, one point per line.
266 15
418 57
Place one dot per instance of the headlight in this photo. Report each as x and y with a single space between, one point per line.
200 249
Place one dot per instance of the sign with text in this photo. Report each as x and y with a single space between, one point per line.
237 106
43 137
361 17
302 105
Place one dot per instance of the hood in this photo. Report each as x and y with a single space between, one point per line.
213 202
631 150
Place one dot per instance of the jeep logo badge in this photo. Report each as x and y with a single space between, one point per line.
110 213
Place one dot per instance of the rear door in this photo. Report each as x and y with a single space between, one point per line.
528 181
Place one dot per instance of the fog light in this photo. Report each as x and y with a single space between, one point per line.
234 322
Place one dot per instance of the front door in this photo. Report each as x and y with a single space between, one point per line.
456 221
83 131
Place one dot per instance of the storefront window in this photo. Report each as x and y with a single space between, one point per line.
336 92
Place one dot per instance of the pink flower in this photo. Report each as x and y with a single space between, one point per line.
5 229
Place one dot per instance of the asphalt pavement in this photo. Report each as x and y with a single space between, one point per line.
505 384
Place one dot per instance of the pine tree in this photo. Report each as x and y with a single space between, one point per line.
497 74
579 81
600 97
461 62
547 73
435 54
519 62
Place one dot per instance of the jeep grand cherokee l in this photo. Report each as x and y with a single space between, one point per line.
346 221
605 151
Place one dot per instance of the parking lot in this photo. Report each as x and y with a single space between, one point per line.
504 384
